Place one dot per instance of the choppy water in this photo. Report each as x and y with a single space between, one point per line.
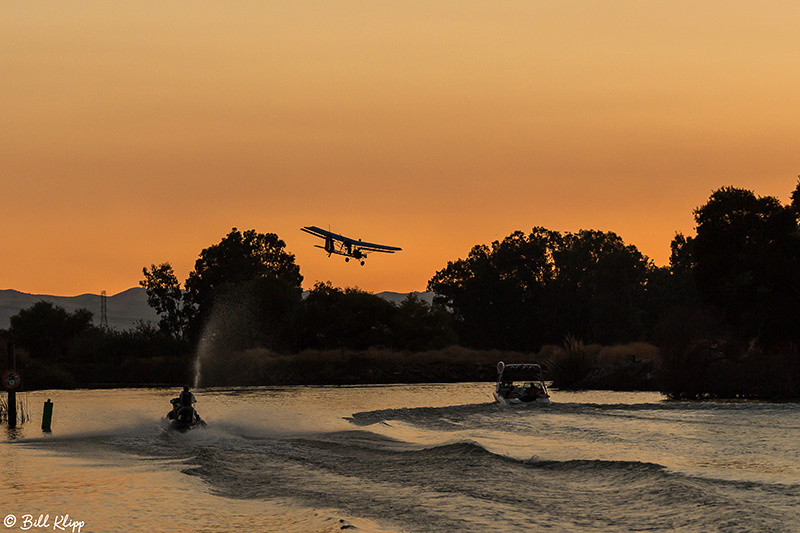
413 458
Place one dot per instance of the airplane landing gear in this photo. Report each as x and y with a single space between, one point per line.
346 259
362 263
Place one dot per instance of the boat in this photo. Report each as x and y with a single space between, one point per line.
520 383
184 417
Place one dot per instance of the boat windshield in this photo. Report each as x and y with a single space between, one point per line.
521 372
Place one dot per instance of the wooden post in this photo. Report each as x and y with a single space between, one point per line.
12 394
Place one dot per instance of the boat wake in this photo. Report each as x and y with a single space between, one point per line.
458 468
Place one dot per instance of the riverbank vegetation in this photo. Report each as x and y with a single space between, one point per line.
718 321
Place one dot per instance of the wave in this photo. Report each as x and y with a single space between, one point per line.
445 417
463 486
454 484
521 419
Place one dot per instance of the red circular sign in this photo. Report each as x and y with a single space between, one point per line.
12 379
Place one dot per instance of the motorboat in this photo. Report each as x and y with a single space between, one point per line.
184 417
520 383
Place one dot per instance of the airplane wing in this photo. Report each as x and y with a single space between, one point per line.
324 234
318 232
368 246
375 247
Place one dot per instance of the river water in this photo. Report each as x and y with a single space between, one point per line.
415 458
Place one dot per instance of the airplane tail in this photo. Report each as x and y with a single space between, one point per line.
323 248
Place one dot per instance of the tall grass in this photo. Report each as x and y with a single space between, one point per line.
22 413
341 367
575 365
571 366
568 365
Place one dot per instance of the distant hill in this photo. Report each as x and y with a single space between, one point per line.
124 309
397 297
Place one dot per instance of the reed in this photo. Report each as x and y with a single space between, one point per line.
346 367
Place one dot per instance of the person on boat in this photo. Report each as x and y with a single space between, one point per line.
531 392
535 391
511 392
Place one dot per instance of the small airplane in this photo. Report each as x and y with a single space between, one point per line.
341 245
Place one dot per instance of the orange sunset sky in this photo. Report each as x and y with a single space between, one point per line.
141 132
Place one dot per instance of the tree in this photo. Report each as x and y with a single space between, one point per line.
46 330
498 295
746 257
795 205
418 326
527 290
334 318
681 259
238 259
164 294
670 293
600 282
241 257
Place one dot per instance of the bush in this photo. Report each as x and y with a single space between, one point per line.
37 376
726 368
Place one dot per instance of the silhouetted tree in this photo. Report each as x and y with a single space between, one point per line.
164 294
141 354
670 292
238 259
45 330
45 334
600 282
681 259
527 290
333 318
499 295
795 205
740 337
746 257
418 326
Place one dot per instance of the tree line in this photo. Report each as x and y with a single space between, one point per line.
723 312
246 292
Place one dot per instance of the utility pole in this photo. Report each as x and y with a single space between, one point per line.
103 310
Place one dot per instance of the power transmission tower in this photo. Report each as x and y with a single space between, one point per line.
103 310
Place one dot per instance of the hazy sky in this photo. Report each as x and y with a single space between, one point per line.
141 132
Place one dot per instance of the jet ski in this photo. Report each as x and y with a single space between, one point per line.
184 417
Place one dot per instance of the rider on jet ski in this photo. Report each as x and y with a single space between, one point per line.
185 399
